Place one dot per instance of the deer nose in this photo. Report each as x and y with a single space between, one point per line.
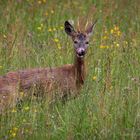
81 52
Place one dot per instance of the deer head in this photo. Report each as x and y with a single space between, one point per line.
80 39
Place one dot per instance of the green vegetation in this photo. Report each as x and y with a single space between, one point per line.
32 35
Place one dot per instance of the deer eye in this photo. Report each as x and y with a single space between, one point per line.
75 42
87 42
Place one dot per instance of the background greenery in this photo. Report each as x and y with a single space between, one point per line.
32 35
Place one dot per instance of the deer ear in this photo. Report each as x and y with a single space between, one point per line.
90 29
69 28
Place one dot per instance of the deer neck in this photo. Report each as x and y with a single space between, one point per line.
79 66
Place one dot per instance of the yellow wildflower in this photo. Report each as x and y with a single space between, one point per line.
117 45
105 37
126 42
4 36
111 87
49 30
44 1
115 31
115 42
59 46
106 32
41 25
24 120
13 134
118 33
26 108
39 2
116 28
26 130
111 31
94 78
39 28
35 110
56 40
0 67
15 128
46 14
61 27
14 110
54 29
107 47
21 94
104 47
52 11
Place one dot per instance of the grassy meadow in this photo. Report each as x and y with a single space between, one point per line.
108 108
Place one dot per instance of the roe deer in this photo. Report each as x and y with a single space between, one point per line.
65 79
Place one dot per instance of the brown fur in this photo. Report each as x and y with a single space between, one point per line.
51 82
65 79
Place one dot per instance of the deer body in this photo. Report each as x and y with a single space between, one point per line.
49 78
63 80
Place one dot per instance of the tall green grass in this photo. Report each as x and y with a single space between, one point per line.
32 35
